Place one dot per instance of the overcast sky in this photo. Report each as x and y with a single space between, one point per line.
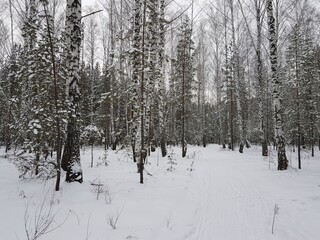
88 2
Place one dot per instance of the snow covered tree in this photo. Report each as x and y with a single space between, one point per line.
50 42
136 62
11 95
301 74
259 76
161 83
71 155
276 90
235 77
184 76
201 58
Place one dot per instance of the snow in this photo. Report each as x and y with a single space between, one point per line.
211 194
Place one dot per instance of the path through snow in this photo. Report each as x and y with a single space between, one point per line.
230 206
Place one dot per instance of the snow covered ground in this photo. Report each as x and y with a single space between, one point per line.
210 195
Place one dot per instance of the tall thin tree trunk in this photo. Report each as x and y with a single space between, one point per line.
71 155
258 8
183 142
298 99
273 48
136 66
143 152
236 78
161 80
56 101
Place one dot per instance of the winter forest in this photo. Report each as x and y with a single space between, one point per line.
160 119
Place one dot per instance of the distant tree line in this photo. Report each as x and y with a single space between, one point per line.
143 75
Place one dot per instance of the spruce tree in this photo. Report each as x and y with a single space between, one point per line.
184 75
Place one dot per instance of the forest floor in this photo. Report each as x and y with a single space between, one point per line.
212 194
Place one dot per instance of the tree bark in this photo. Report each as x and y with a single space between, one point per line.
161 80
277 101
260 78
71 155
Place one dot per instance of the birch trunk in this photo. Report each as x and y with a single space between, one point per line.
161 80
71 155
136 65
276 93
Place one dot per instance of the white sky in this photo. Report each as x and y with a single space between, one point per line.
88 2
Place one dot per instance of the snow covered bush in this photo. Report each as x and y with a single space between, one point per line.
90 135
30 167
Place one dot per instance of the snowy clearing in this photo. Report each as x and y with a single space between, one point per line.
211 194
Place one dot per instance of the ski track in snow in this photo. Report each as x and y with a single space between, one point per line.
227 201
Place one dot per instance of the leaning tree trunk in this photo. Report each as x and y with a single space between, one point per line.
71 155
282 158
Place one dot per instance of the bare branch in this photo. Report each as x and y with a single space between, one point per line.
87 15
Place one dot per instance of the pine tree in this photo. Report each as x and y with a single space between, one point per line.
12 94
184 75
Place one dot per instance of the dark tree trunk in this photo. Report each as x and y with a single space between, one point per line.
299 152
312 143
282 158
184 149
241 147
71 154
204 140
37 161
163 147
264 148
114 145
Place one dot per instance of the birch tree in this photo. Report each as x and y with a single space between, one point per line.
259 66
71 155
259 6
276 91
